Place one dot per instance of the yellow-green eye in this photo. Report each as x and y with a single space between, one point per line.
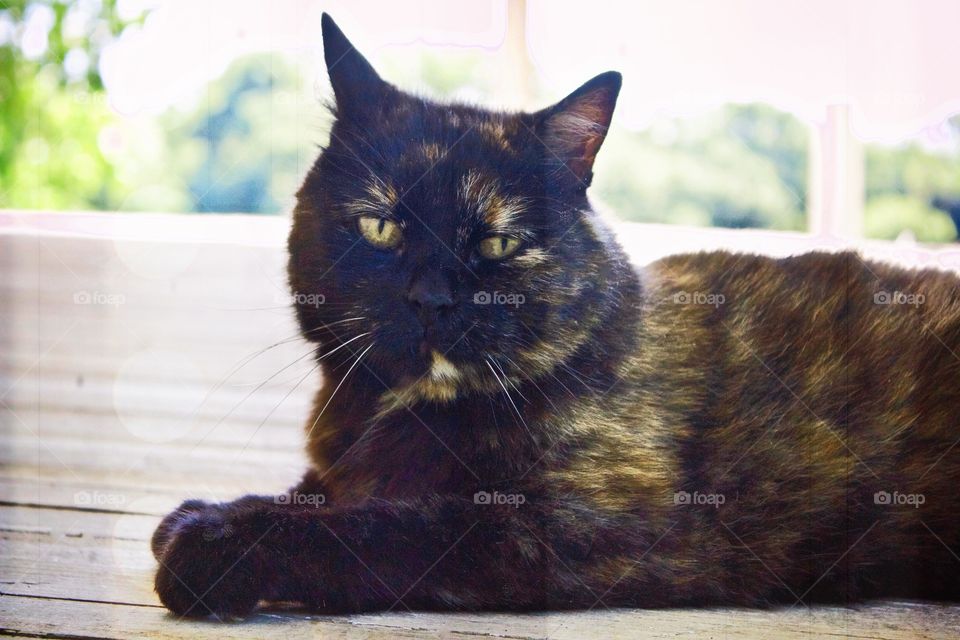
498 247
380 232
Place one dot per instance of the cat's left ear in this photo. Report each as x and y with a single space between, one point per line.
574 129
355 83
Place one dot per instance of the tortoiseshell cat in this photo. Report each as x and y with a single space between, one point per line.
514 418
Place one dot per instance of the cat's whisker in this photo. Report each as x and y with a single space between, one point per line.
577 377
237 367
340 384
277 406
493 412
327 325
549 372
247 397
253 356
508 380
560 382
509 398
530 379
342 345
274 375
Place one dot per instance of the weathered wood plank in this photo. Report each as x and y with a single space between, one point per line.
105 428
122 494
72 619
131 398
57 618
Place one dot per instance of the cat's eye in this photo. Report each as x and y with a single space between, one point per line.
498 247
380 232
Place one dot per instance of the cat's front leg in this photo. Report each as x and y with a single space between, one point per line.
311 490
449 552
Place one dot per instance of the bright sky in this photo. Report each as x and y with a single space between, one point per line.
894 61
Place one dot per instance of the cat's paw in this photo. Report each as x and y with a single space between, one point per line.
164 531
209 567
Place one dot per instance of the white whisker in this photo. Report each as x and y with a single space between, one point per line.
507 378
247 397
530 379
333 351
237 367
342 380
277 406
504 387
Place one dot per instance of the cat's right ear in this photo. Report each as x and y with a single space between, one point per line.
574 129
355 83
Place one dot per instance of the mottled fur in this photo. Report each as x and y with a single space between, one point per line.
716 429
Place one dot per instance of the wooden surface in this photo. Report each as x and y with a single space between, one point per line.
120 396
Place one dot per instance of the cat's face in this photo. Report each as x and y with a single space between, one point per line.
458 240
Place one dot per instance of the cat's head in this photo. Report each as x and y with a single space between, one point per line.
457 241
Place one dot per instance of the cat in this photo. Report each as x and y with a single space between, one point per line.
515 418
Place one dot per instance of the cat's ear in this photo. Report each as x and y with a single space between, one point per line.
574 128
354 81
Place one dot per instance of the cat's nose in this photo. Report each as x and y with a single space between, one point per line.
430 295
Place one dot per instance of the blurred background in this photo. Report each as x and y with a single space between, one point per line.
831 116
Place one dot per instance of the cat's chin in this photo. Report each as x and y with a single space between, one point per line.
400 368
432 364
432 377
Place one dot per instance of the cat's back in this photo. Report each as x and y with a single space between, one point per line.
819 390
832 326
810 278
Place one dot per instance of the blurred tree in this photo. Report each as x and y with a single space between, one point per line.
52 105
913 188
888 215
740 166
247 143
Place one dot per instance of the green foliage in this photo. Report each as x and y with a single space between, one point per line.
912 169
902 185
51 105
248 145
50 166
444 76
888 215
742 166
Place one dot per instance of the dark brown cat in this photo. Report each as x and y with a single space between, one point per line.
513 418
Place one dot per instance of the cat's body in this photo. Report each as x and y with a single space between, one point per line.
540 426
